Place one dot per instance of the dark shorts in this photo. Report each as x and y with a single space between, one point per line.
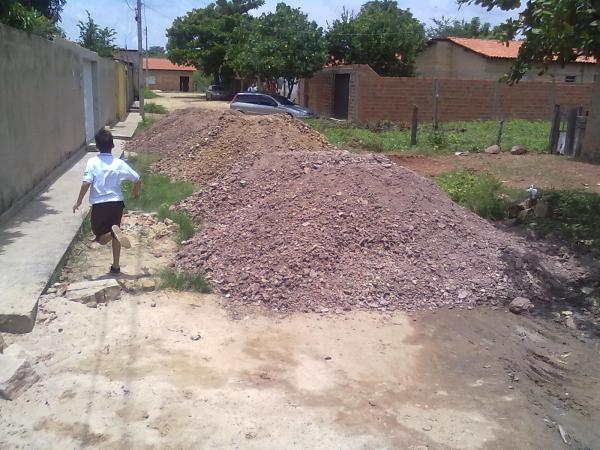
105 215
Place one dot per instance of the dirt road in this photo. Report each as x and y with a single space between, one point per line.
181 100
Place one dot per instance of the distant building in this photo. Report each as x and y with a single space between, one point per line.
482 59
164 75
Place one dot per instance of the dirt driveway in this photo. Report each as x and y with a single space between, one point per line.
181 370
182 100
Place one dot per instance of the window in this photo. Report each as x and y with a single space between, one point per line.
150 80
265 101
246 99
570 78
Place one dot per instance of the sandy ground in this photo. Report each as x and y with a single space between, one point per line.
181 370
182 100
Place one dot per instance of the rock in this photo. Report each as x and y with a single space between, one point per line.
520 305
195 337
148 285
541 209
427 427
493 150
93 292
16 376
462 294
570 322
525 215
518 150
585 290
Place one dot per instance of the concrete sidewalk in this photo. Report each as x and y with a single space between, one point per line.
126 129
33 242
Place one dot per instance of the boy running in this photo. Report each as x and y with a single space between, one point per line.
105 173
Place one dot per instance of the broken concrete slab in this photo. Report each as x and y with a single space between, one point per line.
93 292
16 376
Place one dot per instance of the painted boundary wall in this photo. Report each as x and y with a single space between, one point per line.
373 97
42 118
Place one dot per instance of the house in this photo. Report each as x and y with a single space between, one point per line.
164 75
482 59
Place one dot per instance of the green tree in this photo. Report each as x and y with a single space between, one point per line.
34 16
201 37
95 38
280 44
444 27
156 50
556 31
381 35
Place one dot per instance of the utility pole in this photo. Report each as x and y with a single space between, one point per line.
146 31
141 83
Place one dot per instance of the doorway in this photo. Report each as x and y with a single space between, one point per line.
184 84
341 96
88 101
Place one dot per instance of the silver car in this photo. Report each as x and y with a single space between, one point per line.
267 103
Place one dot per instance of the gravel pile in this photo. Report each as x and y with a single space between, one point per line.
306 231
198 145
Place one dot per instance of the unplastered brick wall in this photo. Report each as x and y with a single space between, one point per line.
168 80
392 98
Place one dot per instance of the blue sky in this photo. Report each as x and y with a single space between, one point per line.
118 14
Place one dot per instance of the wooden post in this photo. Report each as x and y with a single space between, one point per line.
570 137
555 129
415 123
499 137
436 94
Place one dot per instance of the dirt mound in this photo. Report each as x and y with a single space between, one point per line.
313 231
200 144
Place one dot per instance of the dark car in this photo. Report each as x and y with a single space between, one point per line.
268 103
216 92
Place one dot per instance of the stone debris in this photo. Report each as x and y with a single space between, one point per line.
492 150
518 150
93 292
520 305
16 373
148 285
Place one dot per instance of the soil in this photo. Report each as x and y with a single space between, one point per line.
542 170
184 100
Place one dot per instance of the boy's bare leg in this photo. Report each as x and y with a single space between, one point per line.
104 239
116 250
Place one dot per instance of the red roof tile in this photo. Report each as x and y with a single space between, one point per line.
165 64
499 49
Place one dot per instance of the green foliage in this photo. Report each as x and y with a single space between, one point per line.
279 44
473 136
479 193
144 124
202 81
154 108
156 50
183 281
149 93
36 17
574 215
553 31
445 27
202 36
95 38
186 226
381 35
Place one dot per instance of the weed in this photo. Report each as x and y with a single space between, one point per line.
183 281
479 193
154 108
144 124
149 94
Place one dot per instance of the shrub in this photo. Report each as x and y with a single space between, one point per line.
183 281
154 108
149 94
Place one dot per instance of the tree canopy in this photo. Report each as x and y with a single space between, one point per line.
553 31
96 38
444 27
156 50
382 35
34 16
279 44
201 37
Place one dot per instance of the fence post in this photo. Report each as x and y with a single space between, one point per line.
555 129
570 136
436 94
415 123
499 137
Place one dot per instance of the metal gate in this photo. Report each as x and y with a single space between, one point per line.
341 95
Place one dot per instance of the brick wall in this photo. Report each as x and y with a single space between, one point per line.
168 80
391 98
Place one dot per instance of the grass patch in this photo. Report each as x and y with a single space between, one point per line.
144 124
183 281
154 108
149 94
159 192
479 193
575 216
473 136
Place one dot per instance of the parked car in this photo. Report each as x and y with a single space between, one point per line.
267 103
216 92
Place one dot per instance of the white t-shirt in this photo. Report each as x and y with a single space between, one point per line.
106 173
